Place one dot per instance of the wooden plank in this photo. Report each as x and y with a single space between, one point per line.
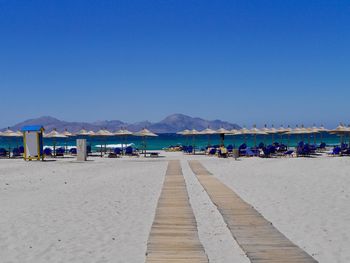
258 238
174 234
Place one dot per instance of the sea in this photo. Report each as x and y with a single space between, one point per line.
170 139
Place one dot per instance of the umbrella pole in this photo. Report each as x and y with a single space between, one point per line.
255 140
145 146
314 138
288 141
54 148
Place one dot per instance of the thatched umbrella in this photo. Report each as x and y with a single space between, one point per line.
54 135
208 132
244 131
222 132
314 130
11 134
144 133
104 134
341 130
68 134
185 133
272 131
255 131
124 133
234 132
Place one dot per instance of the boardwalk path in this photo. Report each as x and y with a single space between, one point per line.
174 236
259 239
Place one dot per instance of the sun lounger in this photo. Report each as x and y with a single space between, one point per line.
47 152
16 152
73 151
336 151
3 152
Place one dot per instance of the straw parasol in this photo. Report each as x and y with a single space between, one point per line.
222 132
82 132
186 133
255 131
11 134
272 131
144 133
244 131
54 135
314 130
102 133
341 130
234 132
68 134
124 133
208 132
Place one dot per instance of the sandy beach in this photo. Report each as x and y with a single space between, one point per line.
102 210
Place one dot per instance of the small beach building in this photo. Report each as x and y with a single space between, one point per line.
33 142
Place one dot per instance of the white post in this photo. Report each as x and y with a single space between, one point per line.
81 150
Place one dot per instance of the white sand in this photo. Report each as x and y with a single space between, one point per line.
306 199
102 210
99 211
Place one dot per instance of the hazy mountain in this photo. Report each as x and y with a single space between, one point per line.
170 124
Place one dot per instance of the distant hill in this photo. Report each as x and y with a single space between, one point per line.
170 124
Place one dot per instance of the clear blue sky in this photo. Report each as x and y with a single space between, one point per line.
241 61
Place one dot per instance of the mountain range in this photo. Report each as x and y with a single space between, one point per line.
171 124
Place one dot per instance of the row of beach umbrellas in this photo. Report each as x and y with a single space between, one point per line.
299 131
54 134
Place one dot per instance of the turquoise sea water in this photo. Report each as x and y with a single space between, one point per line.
165 140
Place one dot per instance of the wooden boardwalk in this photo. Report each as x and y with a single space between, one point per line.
174 236
258 238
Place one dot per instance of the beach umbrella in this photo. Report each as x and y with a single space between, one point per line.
255 131
104 134
11 134
68 134
265 129
272 131
54 135
314 130
208 132
144 133
82 132
244 131
322 130
194 133
234 132
341 130
185 133
124 133
222 132
281 130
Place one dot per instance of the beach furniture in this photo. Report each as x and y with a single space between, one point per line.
130 151
229 148
116 153
47 152
322 146
21 149
60 151
212 151
336 151
249 152
288 153
73 151
88 149
242 149
16 152
3 152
